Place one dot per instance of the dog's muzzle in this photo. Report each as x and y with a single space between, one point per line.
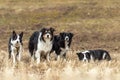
17 44
48 36
66 38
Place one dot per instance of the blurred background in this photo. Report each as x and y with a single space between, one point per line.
95 23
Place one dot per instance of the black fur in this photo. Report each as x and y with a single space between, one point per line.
33 41
96 55
81 56
14 37
59 42
9 48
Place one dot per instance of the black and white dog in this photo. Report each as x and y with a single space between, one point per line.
15 46
41 42
62 44
94 55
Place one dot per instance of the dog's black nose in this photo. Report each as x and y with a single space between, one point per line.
17 41
47 36
67 39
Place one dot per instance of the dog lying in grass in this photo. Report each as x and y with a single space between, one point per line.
94 55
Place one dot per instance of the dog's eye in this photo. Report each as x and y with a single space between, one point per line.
46 31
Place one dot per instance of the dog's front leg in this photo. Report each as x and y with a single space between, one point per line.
64 56
58 57
48 56
20 52
37 55
13 56
13 53
33 56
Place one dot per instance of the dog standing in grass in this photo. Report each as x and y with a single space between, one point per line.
40 43
15 46
61 44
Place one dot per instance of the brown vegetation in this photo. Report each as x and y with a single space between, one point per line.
95 24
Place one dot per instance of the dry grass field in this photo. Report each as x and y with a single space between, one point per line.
95 24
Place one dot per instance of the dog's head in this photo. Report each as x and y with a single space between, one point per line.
85 56
47 34
16 39
67 37
80 56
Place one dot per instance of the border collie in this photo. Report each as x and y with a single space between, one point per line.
94 55
62 44
41 43
15 46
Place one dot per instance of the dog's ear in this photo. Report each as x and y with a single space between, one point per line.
77 53
52 29
43 29
62 33
21 34
71 34
14 33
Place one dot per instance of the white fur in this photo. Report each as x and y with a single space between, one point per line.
104 55
47 35
84 59
91 57
85 52
58 57
13 53
66 38
15 41
64 50
43 46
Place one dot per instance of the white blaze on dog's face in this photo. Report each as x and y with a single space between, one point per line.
16 39
47 34
66 36
84 56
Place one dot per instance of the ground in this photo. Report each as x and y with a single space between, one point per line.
95 24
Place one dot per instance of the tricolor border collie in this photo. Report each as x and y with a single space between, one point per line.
41 43
94 55
15 46
62 44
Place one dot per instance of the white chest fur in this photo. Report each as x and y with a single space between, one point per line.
44 46
64 50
